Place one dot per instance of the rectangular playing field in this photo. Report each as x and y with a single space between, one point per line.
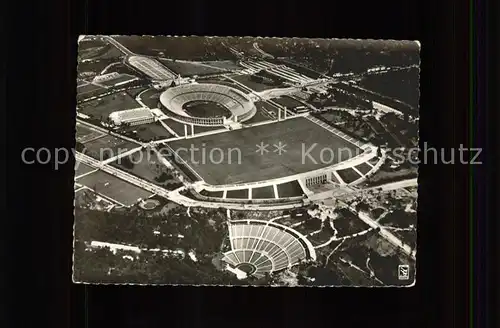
81 168
288 102
102 107
256 86
87 88
85 134
107 147
233 157
114 188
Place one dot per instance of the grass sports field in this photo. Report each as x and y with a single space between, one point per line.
146 166
81 168
150 98
114 188
200 108
256 86
107 146
265 112
84 134
88 88
102 107
288 102
231 157
348 175
188 69
147 132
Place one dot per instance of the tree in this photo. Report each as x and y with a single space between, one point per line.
164 177
79 147
362 206
127 163
312 224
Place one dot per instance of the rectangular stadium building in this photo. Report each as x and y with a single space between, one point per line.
134 116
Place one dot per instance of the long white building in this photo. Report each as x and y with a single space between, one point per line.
134 116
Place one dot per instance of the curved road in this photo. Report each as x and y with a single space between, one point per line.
118 45
262 52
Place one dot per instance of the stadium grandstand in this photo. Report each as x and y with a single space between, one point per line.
240 106
151 68
260 247
134 116
282 71
106 77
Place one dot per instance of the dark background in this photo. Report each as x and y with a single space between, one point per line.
41 70
490 100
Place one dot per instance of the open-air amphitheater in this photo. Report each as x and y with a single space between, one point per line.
260 247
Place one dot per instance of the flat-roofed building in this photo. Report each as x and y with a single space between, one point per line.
106 77
134 116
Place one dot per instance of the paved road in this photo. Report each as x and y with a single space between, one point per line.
255 93
118 45
175 195
114 134
383 232
262 52
393 185
121 155
351 191
387 235
122 175
242 85
375 224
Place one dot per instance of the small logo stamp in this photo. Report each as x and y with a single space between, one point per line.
403 272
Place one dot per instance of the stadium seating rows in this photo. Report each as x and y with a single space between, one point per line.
266 247
174 98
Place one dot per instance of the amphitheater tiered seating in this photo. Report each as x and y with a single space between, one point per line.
260 247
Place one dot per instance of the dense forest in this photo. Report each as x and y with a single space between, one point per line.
202 233
165 240
343 56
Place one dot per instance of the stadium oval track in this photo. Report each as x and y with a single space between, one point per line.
238 103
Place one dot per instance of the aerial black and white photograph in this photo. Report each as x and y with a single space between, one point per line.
246 161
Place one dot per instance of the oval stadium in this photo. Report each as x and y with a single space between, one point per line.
260 247
234 105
